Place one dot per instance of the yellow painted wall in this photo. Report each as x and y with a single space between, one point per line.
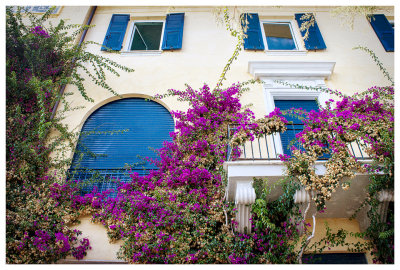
102 250
205 50
335 224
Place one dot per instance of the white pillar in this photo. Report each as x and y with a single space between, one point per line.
245 197
302 199
384 198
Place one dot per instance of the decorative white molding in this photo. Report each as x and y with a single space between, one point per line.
291 69
305 73
285 52
384 197
141 53
245 197
301 196
247 169
245 193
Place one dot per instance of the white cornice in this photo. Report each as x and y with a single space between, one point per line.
291 69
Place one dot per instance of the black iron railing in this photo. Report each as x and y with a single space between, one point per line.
103 179
269 147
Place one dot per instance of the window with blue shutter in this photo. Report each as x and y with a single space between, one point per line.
383 30
254 39
335 258
278 36
288 137
173 31
116 32
146 36
117 136
314 40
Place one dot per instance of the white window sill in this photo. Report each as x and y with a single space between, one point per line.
285 52
152 52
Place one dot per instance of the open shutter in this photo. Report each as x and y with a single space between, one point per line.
173 31
116 32
254 39
314 40
383 30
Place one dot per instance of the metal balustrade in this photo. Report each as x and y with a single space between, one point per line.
103 179
267 147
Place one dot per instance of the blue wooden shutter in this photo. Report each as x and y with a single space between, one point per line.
335 258
297 126
147 125
173 31
314 40
383 30
116 32
254 39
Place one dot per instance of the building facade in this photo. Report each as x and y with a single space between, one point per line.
169 47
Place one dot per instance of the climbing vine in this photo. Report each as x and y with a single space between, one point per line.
177 213
40 58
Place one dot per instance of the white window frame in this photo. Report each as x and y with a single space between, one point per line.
297 39
132 29
306 73
276 91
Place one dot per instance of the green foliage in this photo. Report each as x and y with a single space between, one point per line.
274 221
377 62
39 60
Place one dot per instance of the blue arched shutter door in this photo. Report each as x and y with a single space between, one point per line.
292 129
314 40
116 32
383 30
173 31
254 39
121 133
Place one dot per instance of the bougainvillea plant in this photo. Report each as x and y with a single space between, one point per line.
366 117
40 58
177 213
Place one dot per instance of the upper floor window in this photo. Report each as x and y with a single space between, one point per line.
146 36
39 9
279 36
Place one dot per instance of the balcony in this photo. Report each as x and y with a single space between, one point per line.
260 158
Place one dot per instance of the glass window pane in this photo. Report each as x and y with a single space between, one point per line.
147 36
279 36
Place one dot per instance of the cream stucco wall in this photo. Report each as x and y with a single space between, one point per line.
205 50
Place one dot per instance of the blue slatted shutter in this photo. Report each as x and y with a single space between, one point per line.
292 129
120 133
116 32
254 39
148 125
335 258
383 30
173 31
314 40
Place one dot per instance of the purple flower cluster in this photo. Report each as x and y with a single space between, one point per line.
39 32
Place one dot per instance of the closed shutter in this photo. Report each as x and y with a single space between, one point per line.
335 258
292 129
314 40
383 30
254 39
173 31
116 32
120 133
